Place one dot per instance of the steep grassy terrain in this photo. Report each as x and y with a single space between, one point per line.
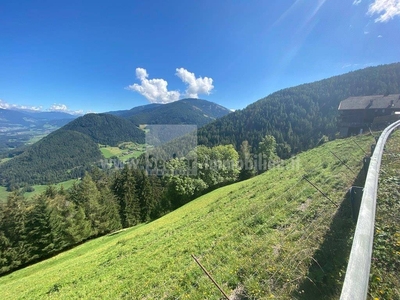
271 236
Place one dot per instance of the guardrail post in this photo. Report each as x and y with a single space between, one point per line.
356 193
366 162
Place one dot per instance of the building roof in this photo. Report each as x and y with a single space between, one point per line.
371 102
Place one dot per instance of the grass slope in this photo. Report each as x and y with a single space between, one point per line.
270 236
385 268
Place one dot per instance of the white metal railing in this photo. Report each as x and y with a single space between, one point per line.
355 286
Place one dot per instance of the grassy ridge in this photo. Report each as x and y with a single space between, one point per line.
260 237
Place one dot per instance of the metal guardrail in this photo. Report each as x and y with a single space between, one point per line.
355 284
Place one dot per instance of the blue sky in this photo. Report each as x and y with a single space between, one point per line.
111 55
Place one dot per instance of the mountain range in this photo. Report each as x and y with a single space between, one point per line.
19 127
68 151
298 118
186 111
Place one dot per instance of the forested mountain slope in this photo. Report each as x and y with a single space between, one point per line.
67 152
61 155
137 109
107 129
186 111
299 116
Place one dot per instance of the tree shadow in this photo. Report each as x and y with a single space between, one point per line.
328 267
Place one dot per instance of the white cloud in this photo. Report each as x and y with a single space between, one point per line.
379 36
195 86
58 107
54 107
63 108
6 105
155 90
387 9
356 2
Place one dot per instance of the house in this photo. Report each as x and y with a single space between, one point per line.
357 114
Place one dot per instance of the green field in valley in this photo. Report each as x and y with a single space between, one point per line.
272 236
124 151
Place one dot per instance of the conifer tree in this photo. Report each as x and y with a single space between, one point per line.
38 228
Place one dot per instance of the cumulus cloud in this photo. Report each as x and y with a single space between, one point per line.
155 90
58 107
195 86
63 108
387 9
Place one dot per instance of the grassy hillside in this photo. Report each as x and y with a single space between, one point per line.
270 236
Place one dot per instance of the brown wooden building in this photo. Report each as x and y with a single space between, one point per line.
357 114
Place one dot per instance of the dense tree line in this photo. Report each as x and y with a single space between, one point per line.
299 116
104 201
58 218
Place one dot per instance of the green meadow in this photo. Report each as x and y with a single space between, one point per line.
272 236
124 151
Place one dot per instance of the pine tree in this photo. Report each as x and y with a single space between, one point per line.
110 219
247 163
89 197
123 188
14 226
39 230
146 198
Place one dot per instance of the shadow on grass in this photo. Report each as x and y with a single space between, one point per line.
327 270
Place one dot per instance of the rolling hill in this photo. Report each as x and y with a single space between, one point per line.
106 129
271 236
186 111
37 164
61 155
68 151
299 116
